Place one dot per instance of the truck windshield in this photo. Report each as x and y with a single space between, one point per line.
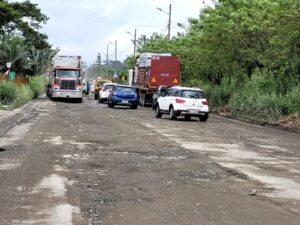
69 73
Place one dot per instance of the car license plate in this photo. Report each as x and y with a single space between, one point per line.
124 101
193 111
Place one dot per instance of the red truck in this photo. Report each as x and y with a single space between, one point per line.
65 79
153 70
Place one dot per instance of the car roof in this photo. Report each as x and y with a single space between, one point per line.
186 88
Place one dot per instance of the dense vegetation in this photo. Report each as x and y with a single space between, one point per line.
244 54
25 48
13 95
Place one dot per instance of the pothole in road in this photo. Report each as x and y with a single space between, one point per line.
200 176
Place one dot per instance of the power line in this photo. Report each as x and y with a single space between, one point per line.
76 12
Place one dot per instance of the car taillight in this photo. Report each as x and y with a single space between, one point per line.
204 102
179 100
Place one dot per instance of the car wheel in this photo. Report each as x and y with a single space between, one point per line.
133 107
96 96
158 114
187 117
203 118
112 105
172 114
153 104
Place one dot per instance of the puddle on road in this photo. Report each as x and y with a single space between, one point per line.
9 165
62 214
207 147
54 184
59 141
76 156
59 215
55 140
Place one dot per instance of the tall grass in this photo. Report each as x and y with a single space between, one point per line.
14 95
8 92
37 85
259 97
24 95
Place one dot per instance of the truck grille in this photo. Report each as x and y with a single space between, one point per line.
67 84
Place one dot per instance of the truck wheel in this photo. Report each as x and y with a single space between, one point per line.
142 100
172 113
158 114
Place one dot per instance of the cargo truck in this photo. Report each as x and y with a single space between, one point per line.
153 70
65 79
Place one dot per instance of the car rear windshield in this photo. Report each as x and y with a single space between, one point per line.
108 87
192 94
126 89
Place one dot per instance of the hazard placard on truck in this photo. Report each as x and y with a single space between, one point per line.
154 70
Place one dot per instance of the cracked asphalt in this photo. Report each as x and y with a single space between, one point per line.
64 163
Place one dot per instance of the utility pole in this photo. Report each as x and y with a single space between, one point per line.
169 24
107 62
134 48
169 21
115 50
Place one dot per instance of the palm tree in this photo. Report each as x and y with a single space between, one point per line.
17 54
41 59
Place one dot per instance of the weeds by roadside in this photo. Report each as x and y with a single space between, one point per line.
13 95
260 97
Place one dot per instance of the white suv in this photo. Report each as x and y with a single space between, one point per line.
182 101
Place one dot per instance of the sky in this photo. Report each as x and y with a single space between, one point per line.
87 27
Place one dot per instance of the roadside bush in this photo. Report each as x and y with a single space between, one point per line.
294 98
8 92
259 99
24 95
37 85
217 95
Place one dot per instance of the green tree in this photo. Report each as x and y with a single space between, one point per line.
24 18
16 53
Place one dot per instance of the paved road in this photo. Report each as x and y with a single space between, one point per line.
68 163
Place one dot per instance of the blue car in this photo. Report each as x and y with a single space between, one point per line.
123 95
